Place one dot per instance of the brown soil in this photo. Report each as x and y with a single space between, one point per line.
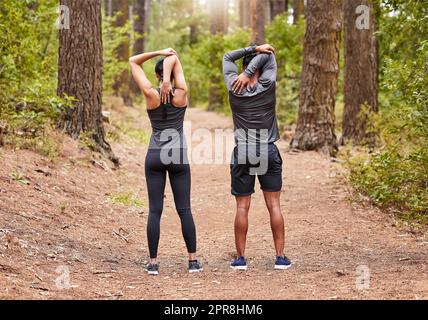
64 218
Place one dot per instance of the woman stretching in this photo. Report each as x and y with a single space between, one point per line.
167 152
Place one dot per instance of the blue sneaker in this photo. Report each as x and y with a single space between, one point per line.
282 263
239 264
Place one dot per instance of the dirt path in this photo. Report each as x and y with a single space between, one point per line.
64 223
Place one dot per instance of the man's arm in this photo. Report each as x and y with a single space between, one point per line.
267 64
242 81
230 69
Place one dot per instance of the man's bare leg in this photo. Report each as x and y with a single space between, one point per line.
272 200
241 224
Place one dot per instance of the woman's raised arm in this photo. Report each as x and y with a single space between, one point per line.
138 73
180 80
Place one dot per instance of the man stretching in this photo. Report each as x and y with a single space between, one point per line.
253 101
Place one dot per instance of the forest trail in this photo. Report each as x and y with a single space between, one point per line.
59 223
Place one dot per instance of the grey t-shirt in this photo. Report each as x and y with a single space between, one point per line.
254 114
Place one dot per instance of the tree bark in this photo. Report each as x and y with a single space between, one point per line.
121 84
361 73
80 64
108 7
258 20
316 121
241 13
218 25
139 29
298 10
278 7
219 22
244 13
194 32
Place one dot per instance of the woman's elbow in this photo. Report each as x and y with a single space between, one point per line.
172 58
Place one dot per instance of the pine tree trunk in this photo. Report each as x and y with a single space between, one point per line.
244 9
108 7
298 10
218 25
193 37
241 13
278 7
361 73
219 22
139 28
316 121
258 20
121 84
80 66
246 13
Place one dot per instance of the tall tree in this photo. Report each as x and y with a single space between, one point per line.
361 70
219 22
122 81
278 7
258 20
298 10
193 37
244 9
218 25
80 66
108 7
316 121
139 11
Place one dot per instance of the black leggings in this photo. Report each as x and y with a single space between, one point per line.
179 177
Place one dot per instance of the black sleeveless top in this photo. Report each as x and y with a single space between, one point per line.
167 127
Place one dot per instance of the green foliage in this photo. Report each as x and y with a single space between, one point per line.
19 177
397 175
137 135
47 143
127 199
203 64
288 40
127 128
127 131
28 72
86 141
169 23
62 207
113 38
202 59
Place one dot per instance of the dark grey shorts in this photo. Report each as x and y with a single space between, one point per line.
243 179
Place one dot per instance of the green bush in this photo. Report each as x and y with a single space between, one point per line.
288 41
113 37
203 64
28 72
396 176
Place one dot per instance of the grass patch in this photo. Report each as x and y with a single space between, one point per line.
19 177
391 180
45 141
126 125
139 136
127 199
